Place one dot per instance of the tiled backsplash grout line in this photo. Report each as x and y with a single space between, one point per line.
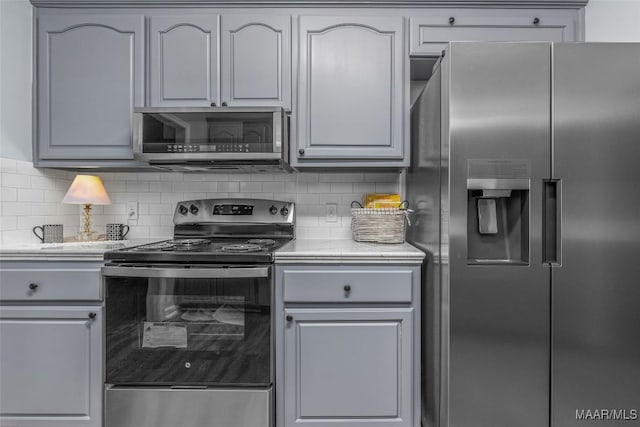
31 196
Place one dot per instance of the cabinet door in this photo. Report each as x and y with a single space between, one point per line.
348 366
50 366
184 60
90 77
351 90
431 32
256 60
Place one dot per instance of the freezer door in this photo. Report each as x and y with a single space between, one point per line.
596 289
499 148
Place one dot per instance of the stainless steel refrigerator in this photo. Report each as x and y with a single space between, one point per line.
525 178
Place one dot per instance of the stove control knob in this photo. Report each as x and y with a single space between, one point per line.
284 211
183 210
273 210
193 209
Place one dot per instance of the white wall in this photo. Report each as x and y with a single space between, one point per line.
612 21
15 79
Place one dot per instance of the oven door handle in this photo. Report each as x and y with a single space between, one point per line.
187 273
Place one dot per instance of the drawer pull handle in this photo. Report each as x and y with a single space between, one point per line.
289 318
92 316
347 288
536 21
452 20
33 286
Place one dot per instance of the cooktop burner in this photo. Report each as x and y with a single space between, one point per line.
242 247
267 243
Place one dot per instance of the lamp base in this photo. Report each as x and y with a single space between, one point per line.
86 233
86 237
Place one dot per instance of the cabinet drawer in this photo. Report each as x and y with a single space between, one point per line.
431 33
347 286
49 284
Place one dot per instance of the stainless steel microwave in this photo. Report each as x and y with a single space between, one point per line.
212 138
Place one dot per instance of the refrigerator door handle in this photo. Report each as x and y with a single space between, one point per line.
551 223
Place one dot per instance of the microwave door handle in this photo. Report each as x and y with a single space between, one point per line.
186 273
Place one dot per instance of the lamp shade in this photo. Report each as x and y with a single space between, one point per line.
87 189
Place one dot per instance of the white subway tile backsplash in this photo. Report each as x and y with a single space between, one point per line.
137 186
308 177
250 187
43 182
15 180
229 187
30 195
33 196
16 208
342 187
8 222
341 177
273 187
8 194
149 197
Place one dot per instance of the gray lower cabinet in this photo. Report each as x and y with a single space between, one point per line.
50 344
431 31
347 345
90 72
352 96
207 59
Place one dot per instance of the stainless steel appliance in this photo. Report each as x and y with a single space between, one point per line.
189 338
524 179
219 138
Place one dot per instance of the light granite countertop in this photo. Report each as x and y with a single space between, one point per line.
296 251
346 251
68 251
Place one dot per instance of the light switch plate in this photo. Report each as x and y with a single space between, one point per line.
132 211
331 212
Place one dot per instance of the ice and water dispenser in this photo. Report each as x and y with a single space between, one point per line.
498 212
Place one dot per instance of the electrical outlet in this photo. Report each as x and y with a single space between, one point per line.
132 211
331 212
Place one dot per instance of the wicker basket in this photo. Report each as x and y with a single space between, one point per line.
380 225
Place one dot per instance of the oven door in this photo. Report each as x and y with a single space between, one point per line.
176 326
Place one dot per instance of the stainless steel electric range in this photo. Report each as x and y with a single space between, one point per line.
189 321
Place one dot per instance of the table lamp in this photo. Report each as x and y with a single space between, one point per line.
87 190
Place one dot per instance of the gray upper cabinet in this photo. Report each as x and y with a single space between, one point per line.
352 98
256 60
89 78
184 60
430 31
252 68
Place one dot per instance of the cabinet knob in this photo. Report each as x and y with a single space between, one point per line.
33 286
289 318
536 20
347 288
92 315
213 104
452 20
224 104
301 151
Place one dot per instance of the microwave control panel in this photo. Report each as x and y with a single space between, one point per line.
208 148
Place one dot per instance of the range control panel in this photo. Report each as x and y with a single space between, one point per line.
234 210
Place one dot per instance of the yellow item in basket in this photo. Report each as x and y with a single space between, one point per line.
382 201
